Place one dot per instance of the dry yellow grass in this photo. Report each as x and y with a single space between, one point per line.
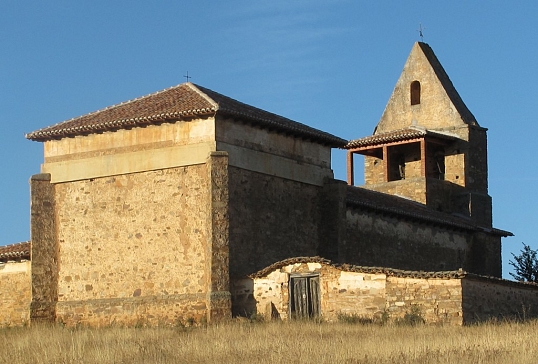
277 342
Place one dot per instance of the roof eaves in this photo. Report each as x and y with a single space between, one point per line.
44 134
15 251
390 272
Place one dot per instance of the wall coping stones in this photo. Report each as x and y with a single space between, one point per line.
358 197
390 272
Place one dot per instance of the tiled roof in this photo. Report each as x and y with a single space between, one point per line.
395 136
183 101
390 272
385 203
360 269
15 251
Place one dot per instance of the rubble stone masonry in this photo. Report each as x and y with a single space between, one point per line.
15 293
154 267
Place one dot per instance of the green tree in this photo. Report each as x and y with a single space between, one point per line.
525 265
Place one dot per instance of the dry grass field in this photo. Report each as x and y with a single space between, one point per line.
275 342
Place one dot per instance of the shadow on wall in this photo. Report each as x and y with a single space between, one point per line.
484 301
245 304
243 301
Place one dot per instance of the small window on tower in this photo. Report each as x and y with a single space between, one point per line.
415 93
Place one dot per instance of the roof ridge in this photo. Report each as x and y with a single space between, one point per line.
196 88
454 96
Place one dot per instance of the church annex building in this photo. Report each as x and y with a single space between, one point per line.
186 204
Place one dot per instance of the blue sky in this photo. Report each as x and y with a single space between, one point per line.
330 64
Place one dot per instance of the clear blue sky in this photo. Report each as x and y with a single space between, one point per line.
330 64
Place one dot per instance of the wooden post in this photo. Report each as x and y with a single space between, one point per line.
386 162
423 157
350 171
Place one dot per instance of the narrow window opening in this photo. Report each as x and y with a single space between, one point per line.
415 93
439 171
396 167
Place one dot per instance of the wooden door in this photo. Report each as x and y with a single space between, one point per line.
304 296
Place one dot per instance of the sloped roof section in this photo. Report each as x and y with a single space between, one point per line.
395 136
385 203
180 102
17 251
454 96
359 269
390 272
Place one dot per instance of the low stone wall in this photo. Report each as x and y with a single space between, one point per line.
345 290
436 300
352 293
15 293
486 299
341 292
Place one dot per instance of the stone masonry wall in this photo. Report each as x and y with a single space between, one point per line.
454 298
485 299
436 300
133 247
219 240
384 241
271 219
412 188
15 293
44 254
341 292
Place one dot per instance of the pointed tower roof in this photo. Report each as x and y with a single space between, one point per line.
181 102
424 96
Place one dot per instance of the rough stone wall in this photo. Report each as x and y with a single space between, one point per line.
412 188
435 300
271 219
436 109
342 292
495 299
484 255
351 293
218 246
385 241
44 254
15 293
133 248
441 109
374 171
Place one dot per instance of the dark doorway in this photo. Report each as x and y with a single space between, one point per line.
304 296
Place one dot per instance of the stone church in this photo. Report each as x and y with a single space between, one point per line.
186 204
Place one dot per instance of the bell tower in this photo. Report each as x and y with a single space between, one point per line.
427 146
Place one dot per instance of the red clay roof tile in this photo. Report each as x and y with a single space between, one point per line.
395 136
15 251
178 103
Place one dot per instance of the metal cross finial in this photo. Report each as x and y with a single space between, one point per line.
420 32
187 76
